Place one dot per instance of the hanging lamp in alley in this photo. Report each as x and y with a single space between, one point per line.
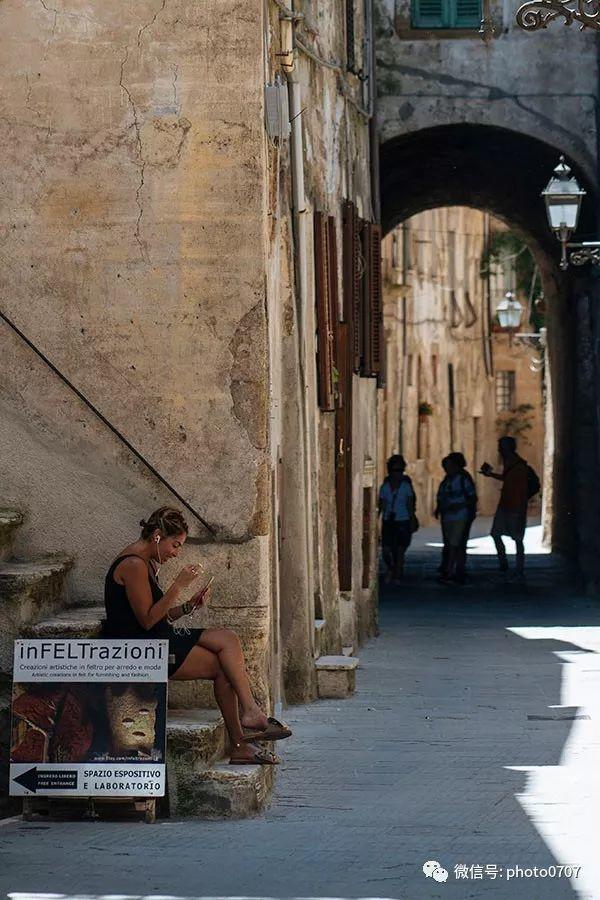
509 311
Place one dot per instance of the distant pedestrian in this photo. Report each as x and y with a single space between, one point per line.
443 567
519 484
457 508
397 505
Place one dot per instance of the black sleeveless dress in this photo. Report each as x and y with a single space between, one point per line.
121 621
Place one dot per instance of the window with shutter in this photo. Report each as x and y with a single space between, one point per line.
334 300
446 13
324 319
366 348
467 14
353 282
350 54
376 298
428 13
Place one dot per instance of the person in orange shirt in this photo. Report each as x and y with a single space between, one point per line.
511 515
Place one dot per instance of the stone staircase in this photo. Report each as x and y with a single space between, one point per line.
34 603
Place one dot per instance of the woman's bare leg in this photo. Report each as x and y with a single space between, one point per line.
202 663
226 645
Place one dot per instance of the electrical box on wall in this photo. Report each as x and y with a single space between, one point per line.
277 112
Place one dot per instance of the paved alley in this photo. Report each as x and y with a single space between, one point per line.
471 741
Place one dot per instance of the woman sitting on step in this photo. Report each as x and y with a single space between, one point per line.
136 607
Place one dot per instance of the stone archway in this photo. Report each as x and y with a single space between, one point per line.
503 172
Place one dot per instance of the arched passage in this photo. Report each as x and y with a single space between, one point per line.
503 172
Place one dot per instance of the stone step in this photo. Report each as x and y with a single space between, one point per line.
222 791
29 591
191 695
76 622
319 638
10 521
196 738
201 783
336 676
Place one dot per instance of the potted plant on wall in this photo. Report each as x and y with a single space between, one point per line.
516 423
425 410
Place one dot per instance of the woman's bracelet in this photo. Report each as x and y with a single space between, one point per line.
186 609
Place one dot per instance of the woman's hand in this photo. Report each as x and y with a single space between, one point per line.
187 575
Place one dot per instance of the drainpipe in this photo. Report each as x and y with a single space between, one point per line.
288 57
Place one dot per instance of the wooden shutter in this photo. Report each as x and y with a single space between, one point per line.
466 13
365 304
324 319
350 55
428 13
334 299
446 13
352 282
376 298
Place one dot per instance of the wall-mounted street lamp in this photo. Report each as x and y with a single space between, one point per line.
563 196
537 340
509 311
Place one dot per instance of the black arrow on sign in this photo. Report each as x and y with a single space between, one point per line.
47 779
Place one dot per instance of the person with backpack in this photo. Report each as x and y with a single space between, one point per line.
457 508
519 484
397 504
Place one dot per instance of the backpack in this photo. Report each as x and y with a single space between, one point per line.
533 482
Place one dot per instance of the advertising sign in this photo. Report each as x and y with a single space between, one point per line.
89 718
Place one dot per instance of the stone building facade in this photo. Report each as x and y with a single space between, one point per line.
158 248
455 380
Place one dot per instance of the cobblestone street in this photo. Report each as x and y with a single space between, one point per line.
472 740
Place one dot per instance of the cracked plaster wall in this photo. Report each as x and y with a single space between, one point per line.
132 246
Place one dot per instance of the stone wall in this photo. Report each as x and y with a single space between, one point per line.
152 252
335 167
133 245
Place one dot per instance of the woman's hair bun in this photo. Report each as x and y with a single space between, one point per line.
167 520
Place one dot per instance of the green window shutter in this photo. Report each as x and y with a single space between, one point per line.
467 13
446 13
428 13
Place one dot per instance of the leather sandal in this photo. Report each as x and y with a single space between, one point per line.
275 731
260 757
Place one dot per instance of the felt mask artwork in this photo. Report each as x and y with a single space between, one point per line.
131 714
